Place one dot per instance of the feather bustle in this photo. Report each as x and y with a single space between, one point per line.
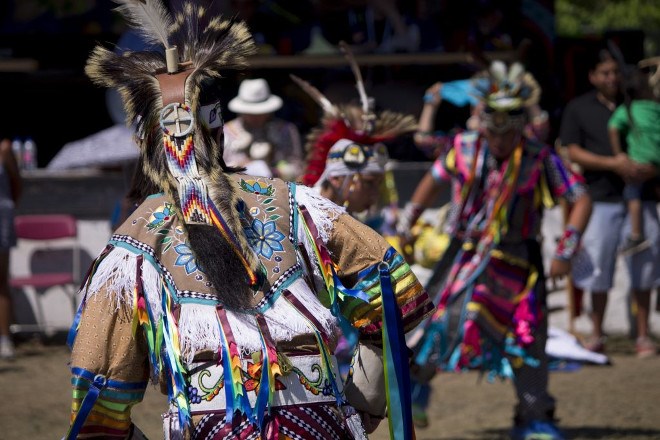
359 83
316 95
149 17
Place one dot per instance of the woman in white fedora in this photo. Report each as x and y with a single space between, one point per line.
256 139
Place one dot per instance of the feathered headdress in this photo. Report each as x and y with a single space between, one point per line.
170 95
505 93
507 89
359 125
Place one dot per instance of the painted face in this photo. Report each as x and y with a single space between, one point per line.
501 145
501 122
606 78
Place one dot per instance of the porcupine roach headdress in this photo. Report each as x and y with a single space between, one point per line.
167 94
358 128
505 93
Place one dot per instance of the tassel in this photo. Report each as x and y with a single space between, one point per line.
270 369
235 394
328 267
176 383
142 316
397 372
336 290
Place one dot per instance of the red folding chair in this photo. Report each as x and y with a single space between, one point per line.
46 233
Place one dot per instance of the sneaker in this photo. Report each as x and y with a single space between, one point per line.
633 245
645 347
597 345
420 419
7 349
537 430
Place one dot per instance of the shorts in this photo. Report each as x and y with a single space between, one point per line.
7 231
632 191
608 225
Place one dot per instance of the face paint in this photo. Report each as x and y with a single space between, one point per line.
501 122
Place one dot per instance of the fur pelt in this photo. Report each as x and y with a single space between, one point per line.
209 44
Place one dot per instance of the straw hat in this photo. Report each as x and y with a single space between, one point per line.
254 98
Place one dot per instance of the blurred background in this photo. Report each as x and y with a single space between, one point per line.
409 43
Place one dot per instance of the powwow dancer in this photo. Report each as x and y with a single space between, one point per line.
227 289
491 312
347 164
347 157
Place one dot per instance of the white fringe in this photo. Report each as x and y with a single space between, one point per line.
198 330
283 321
322 210
115 274
244 329
152 285
198 324
308 298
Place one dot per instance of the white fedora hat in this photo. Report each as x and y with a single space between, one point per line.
254 98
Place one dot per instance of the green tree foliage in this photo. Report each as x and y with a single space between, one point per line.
583 17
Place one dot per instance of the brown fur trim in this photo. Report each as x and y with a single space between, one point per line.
211 45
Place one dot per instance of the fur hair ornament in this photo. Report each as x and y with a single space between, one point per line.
168 92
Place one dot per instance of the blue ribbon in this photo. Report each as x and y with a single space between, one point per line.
98 383
89 376
229 386
394 344
73 330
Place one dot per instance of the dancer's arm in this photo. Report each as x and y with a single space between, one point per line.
107 346
567 185
428 190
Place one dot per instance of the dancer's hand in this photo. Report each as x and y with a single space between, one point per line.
624 167
407 242
559 268
432 95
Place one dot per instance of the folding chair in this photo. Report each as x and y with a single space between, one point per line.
45 233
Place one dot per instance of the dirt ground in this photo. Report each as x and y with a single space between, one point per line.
620 401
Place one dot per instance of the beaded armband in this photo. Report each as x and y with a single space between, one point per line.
568 244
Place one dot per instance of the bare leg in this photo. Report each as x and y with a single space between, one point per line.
643 301
635 212
644 345
598 305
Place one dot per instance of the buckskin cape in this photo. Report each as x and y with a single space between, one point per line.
149 312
